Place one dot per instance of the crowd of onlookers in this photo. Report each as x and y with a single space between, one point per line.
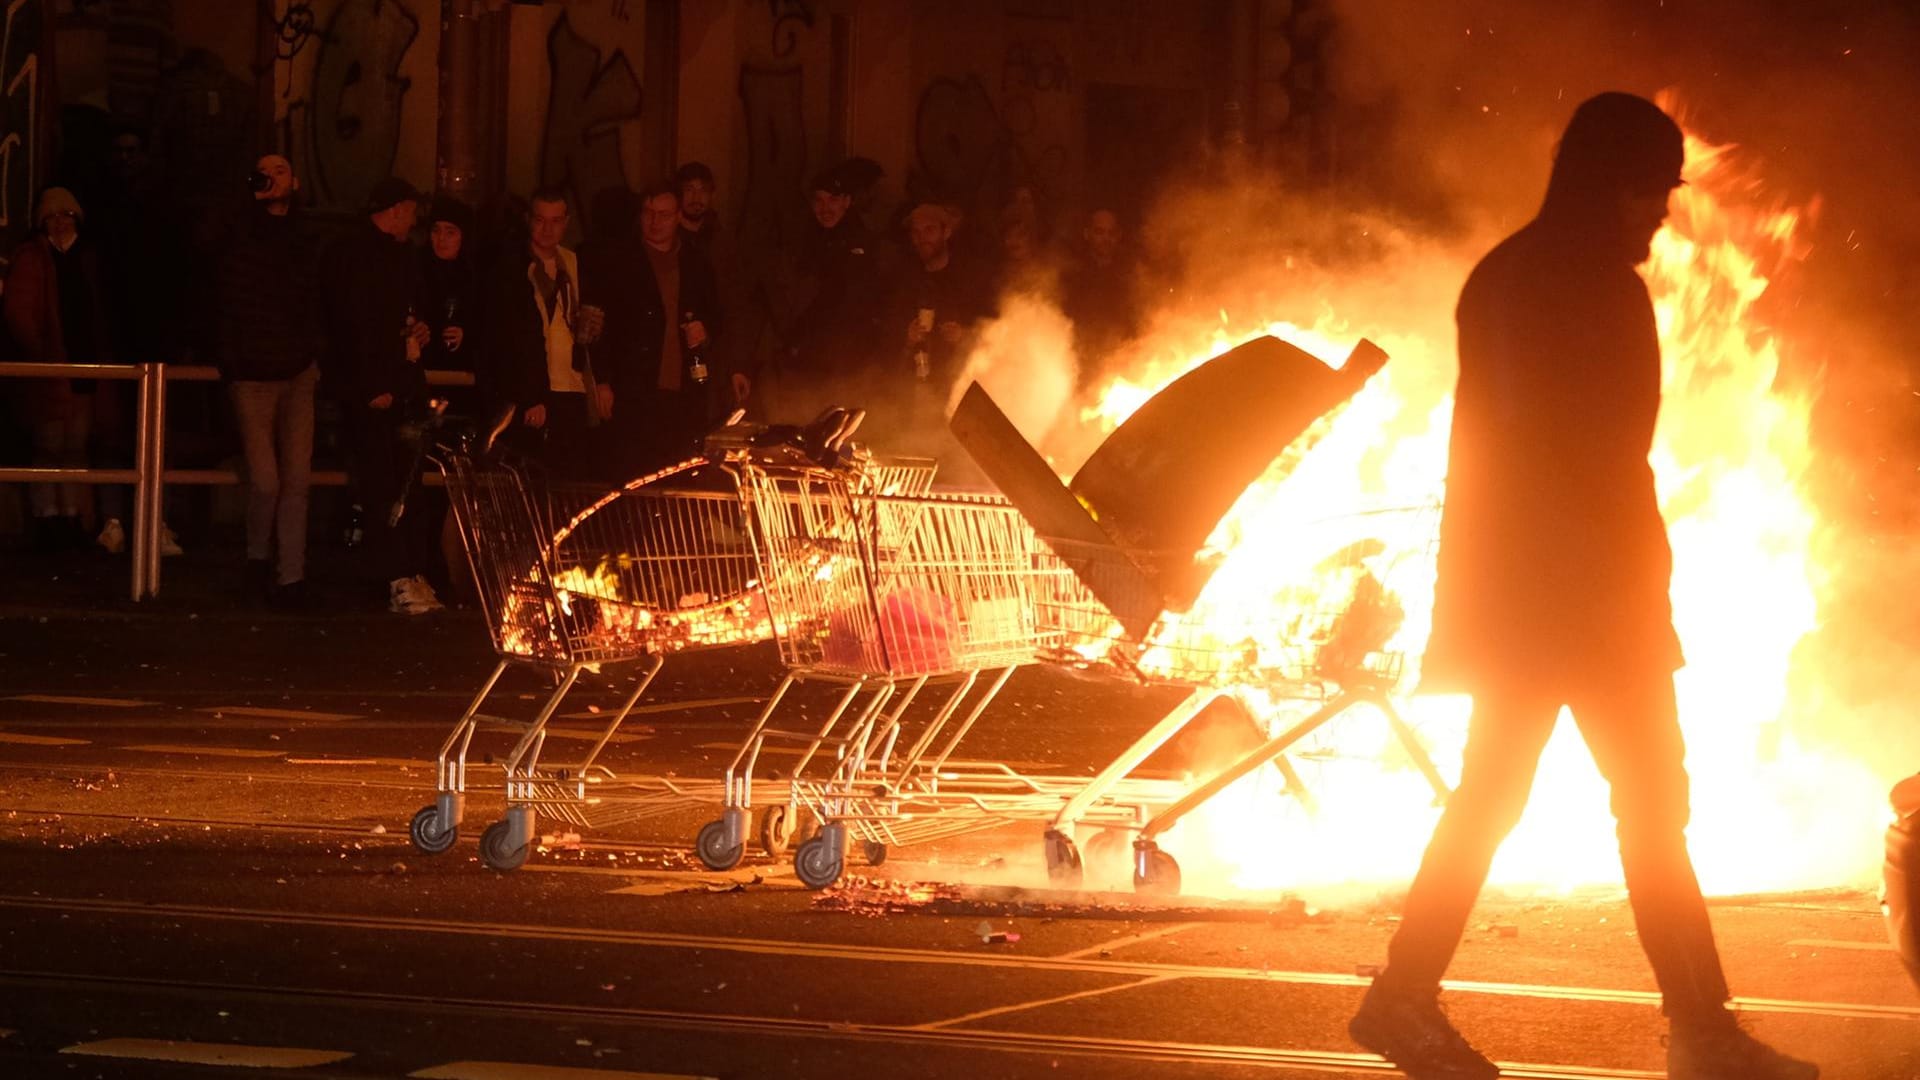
614 334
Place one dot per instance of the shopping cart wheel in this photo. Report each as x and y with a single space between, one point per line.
819 862
1107 848
711 846
874 851
1063 860
428 834
1155 872
494 850
777 826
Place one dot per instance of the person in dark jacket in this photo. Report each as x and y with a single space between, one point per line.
1553 583
662 309
837 332
268 342
376 342
1096 292
449 287
532 318
56 312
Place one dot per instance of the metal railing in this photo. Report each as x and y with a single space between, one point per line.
149 475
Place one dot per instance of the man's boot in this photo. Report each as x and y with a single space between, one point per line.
1716 1047
1408 1029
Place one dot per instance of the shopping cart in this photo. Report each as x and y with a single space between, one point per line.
574 578
888 597
1336 635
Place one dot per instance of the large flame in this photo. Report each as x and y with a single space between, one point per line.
1770 812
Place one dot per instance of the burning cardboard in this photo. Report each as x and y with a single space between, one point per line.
1160 484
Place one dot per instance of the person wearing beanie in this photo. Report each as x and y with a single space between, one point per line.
377 342
449 284
55 309
1552 591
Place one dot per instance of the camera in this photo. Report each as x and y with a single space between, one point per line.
259 182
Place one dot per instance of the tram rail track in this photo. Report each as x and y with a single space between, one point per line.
877 954
1025 1043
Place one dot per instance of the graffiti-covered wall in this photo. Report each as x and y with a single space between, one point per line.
24 114
354 86
577 100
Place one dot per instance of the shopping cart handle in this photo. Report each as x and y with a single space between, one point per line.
501 422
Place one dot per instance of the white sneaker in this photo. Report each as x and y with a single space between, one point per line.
113 537
169 543
411 596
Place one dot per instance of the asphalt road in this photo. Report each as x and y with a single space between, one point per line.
204 867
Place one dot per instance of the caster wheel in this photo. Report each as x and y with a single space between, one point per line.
1063 860
874 851
711 847
1108 848
1156 873
427 834
494 851
818 863
777 828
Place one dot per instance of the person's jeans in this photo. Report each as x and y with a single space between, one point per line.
385 448
1633 731
60 423
276 433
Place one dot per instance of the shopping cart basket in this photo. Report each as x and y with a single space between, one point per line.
572 578
1335 636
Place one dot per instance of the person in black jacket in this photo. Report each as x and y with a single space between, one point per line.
268 343
449 287
1552 591
836 334
376 342
531 319
662 309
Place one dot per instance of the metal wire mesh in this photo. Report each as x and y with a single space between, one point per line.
578 574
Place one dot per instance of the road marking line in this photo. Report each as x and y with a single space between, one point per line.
276 714
1824 943
207 751
195 1053
1122 942
507 1070
1002 1010
68 699
38 740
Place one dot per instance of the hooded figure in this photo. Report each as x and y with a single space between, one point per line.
1554 562
1552 591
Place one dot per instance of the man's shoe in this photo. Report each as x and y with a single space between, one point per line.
1409 1030
411 596
293 596
169 543
113 537
1720 1049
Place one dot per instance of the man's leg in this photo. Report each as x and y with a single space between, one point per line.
254 406
1633 729
1400 1018
1508 731
295 426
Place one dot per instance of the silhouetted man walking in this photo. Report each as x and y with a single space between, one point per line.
1553 579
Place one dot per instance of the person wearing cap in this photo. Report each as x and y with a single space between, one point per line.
376 344
56 312
1552 591
836 334
268 342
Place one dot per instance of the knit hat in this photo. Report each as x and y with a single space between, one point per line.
452 211
55 200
